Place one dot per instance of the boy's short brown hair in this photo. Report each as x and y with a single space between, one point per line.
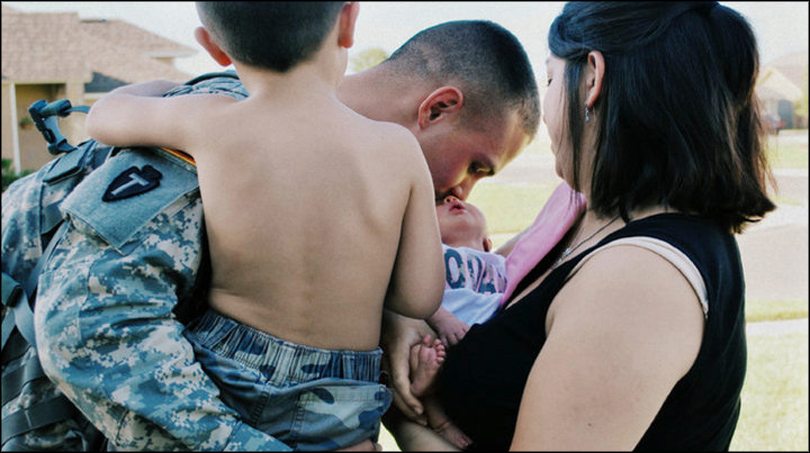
271 35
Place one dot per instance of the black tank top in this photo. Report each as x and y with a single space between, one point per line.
484 375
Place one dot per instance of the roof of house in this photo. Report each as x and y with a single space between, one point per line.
794 67
59 47
43 48
784 78
123 33
774 85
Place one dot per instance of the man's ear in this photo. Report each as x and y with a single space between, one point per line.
216 52
594 76
439 105
347 22
487 244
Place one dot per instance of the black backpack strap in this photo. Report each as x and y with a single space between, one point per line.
30 286
44 115
211 75
39 415
13 381
18 311
16 297
10 290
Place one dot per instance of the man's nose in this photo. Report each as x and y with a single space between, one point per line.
451 199
463 189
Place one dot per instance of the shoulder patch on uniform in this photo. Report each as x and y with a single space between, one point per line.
142 182
133 181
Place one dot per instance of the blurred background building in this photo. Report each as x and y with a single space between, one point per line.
58 55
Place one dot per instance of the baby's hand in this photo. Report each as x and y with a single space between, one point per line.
449 328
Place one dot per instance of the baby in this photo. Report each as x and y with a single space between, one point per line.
475 277
475 280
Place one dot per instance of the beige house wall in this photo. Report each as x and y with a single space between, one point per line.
33 148
8 145
73 126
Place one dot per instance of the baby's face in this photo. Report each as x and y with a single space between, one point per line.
461 223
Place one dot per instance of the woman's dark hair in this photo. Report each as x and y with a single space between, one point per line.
271 35
678 120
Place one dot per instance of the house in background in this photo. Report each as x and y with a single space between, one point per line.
781 86
58 55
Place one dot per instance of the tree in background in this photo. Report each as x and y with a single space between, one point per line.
368 58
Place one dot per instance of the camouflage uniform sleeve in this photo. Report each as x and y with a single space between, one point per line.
110 341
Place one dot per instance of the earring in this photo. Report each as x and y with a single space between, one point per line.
587 113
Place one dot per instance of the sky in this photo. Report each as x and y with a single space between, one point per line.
781 27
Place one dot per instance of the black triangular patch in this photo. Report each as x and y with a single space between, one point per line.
131 182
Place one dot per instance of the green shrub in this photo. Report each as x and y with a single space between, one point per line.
9 176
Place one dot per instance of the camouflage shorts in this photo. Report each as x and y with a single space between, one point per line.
309 398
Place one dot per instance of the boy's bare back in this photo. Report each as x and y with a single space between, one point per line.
315 215
312 213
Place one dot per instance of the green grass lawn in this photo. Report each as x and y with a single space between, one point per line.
509 208
781 153
775 310
774 409
786 155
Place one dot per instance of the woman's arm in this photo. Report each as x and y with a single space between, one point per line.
621 333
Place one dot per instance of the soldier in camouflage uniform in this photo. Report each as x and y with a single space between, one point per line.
172 245
22 246
104 316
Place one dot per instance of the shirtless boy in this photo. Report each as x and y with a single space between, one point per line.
332 234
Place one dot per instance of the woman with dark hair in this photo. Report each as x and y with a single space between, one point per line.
630 333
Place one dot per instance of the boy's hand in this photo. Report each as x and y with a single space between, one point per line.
399 333
449 328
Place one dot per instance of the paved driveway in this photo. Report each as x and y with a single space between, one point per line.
775 252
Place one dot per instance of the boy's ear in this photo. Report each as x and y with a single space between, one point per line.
439 105
347 22
487 244
216 52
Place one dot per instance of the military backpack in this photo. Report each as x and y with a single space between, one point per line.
35 414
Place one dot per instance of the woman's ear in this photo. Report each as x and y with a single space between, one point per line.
347 22
595 74
204 38
440 105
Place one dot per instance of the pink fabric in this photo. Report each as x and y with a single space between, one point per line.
561 211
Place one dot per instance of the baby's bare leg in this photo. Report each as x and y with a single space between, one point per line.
425 360
440 423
